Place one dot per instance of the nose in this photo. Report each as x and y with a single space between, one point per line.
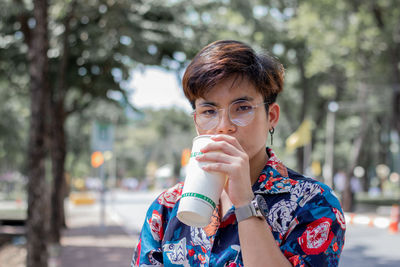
225 125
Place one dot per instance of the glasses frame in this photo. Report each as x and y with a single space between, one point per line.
219 112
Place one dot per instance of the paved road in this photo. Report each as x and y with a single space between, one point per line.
130 208
365 246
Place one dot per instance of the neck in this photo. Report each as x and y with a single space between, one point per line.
257 163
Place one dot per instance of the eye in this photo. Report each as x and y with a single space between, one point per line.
243 107
207 111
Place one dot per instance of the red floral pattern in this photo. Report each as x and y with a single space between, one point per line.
171 196
317 236
340 218
304 217
156 227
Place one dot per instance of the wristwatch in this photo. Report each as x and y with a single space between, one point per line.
257 207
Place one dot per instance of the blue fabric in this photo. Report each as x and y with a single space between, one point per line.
304 215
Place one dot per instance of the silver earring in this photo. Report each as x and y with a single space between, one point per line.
271 132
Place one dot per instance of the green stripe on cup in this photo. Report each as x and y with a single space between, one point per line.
195 154
200 196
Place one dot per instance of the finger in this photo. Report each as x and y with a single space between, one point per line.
230 139
220 146
224 147
232 170
215 157
217 167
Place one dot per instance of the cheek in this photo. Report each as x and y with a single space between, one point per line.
260 126
258 139
258 135
202 132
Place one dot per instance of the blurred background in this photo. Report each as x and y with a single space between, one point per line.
93 120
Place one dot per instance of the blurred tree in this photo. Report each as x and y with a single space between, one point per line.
91 47
14 96
360 52
160 137
37 222
343 51
385 15
333 51
14 114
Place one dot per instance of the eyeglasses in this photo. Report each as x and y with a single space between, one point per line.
240 113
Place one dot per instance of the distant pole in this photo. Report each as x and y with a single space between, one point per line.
102 142
97 161
102 197
330 142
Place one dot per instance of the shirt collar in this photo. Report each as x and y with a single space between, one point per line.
274 178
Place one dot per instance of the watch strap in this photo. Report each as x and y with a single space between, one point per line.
245 212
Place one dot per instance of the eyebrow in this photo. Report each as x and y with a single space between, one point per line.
243 98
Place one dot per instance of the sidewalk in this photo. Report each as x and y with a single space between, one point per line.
87 243
379 217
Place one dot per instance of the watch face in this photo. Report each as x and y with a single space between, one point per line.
261 206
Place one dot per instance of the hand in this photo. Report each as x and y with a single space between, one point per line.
227 156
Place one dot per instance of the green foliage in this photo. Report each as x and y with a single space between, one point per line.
93 47
330 50
160 137
14 114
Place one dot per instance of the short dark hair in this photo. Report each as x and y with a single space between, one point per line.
226 58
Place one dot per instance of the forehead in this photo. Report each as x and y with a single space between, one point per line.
229 90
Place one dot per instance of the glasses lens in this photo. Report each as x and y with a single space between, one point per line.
206 117
241 112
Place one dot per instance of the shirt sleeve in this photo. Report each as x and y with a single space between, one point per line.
148 251
316 235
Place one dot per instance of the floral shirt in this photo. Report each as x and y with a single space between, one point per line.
304 216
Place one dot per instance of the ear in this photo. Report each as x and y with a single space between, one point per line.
273 114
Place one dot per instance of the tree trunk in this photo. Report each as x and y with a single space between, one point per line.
39 89
395 60
304 86
58 138
347 197
396 89
58 155
300 159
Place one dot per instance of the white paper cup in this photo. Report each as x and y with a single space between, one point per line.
201 191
